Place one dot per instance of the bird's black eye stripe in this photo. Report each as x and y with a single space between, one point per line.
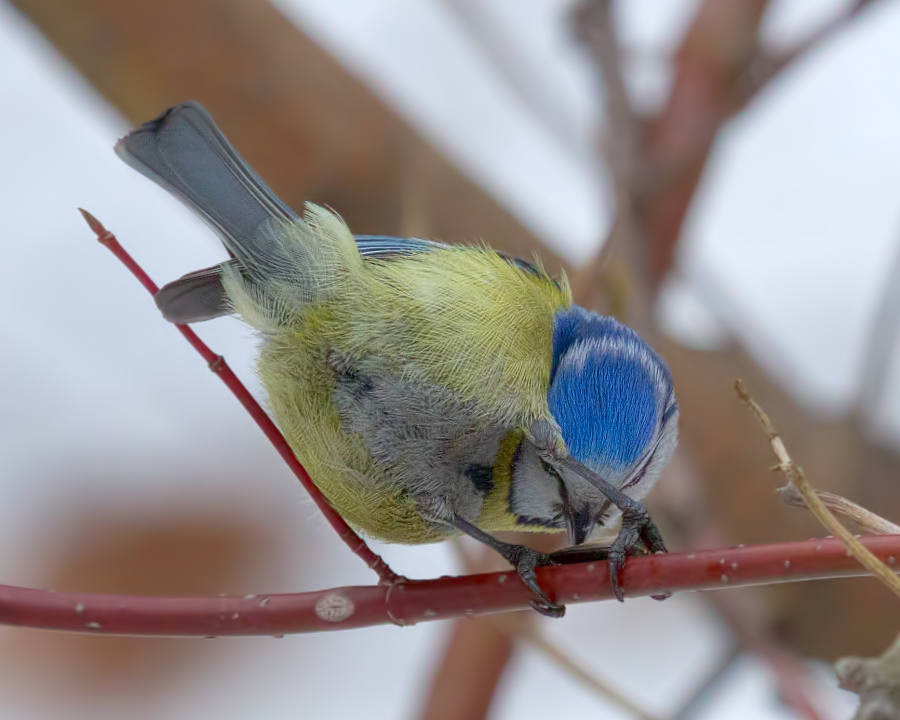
670 411
640 476
481 477
540 522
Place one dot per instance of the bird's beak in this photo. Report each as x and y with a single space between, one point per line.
579 522
572 531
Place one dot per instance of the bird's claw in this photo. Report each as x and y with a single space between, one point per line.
525 561
636 527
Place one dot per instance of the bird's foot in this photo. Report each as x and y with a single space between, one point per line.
525 560
596 553
637 527
636 524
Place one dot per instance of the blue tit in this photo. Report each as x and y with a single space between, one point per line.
429 389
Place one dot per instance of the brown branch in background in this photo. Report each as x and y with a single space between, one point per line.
796 478
765 67
464 684
621 142
479 649
476 655
745 613
881 347
647 228
675 145
520 627
530 635
218 365
714 55
311 128
623 153
664 156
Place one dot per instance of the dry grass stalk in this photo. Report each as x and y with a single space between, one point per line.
796 479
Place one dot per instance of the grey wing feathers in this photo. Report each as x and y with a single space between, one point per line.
184 152
195 297
200 296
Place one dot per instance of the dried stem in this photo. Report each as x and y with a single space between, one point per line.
745 612
532 636
866 519
218 365
415 601
796 478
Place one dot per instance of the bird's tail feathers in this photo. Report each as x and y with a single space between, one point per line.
320 254
280 261
183 151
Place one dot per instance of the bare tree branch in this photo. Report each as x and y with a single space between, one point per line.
415 601
622 149
765 67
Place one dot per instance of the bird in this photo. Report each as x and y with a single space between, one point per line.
430 389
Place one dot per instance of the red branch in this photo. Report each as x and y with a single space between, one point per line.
414 601
218 365
397 600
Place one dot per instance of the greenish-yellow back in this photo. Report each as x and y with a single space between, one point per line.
461 317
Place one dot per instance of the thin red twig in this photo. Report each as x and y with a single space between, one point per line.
218 365
415 601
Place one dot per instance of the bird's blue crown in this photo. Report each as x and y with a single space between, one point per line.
608 391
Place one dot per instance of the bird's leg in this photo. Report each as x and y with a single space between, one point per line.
636 522
523 559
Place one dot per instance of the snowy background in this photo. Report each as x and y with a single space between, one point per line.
105 408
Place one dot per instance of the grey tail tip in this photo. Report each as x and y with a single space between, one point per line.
151 126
